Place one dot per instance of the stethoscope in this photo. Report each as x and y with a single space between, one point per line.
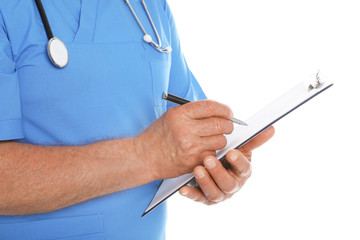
58 52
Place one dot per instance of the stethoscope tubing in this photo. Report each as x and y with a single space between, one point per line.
44 19
147 38
57 50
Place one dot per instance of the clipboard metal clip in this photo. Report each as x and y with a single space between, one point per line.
317 83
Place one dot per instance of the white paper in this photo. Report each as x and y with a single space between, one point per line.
242 134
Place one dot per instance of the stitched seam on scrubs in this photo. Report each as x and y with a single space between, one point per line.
165 7
105 43
7 34
73 43
11 119
98 234
27 48
69 44
152 81
96 20
101 218
87 43
3 20
58 218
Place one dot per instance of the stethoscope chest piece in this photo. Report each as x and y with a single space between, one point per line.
58 52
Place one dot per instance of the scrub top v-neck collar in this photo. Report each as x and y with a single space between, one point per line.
87 22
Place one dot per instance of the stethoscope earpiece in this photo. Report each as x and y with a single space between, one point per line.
147 38
167 50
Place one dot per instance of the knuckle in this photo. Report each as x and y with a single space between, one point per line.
218 126
172 111
187 146
230 127
209 106
222 141
172 114
193 161
183 134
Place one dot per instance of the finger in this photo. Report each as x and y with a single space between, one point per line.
223 179
193 194
212 143
213 126
208 186
206 109
259 139
239 163
241 180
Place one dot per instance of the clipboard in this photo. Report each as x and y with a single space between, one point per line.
263 119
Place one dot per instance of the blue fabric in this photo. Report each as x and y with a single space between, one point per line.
112 88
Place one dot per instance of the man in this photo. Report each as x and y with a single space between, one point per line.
84 148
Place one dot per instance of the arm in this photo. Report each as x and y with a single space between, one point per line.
35 179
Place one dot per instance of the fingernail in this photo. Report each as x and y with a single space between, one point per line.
184 192
210 163
200 174
233 157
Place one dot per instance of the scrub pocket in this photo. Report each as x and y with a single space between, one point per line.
89 227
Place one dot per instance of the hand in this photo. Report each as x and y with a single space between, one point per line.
179 140
217 184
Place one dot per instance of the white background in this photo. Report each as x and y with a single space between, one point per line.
306 180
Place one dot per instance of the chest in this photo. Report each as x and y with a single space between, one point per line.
112 75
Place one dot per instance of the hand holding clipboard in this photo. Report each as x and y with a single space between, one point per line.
276 110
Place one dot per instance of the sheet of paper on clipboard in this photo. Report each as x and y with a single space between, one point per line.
276 110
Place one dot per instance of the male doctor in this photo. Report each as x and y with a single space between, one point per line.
83 149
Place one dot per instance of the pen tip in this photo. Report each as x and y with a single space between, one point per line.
235 120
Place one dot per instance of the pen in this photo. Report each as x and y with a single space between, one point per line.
180 101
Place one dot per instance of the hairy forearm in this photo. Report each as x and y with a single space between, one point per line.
37 179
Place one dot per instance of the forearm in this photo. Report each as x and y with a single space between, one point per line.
36 179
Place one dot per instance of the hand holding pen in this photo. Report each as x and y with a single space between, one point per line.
180 101
185 139
182 137
216 183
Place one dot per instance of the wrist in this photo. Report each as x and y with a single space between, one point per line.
144 156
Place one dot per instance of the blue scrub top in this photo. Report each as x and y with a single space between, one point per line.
112 88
